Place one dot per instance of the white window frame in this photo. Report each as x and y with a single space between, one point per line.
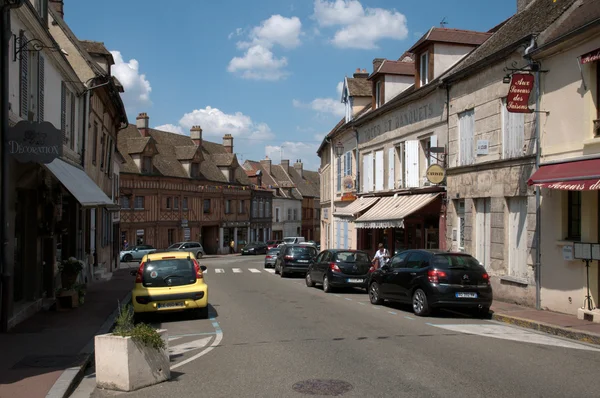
424 69
378 100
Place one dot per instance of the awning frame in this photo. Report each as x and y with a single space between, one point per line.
396 222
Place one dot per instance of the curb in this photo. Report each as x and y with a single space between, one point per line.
70 378
573 334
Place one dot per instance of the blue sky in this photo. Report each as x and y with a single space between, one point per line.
267 72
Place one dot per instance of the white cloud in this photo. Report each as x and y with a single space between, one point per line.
332 106
359 27
259 62
170 128
295 150
237 32
137 87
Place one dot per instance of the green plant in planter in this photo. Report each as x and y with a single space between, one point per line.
69 270
141 333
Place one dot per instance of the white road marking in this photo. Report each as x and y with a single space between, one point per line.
190 345
513 334
254 270
219 271
270 270
237 270
215 343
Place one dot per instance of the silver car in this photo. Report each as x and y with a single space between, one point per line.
136 253
271 257
192 247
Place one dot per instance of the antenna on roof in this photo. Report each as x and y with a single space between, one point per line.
443 22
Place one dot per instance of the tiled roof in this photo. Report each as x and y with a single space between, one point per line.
186 152
389 67
532 20
582 13
267 179
358 87
95 47
305 184
407 57
454 36
137 144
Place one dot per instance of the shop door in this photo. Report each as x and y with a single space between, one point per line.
414 234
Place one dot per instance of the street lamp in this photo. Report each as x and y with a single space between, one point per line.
339 149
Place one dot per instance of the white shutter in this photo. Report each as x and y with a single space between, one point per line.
470 136
517 131
401 166
466 127
365 172
391 167
432 143
379 171
412 163
368 173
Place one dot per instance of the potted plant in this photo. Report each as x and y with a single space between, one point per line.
133 356
69 270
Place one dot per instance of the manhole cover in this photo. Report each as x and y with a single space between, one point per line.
322 387
48 361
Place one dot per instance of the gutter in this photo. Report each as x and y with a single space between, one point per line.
565 37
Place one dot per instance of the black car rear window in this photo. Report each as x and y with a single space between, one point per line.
352 257
169 272
298 251
449 261
273 251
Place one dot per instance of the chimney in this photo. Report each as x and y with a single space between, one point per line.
196 135
522 4
286 165
298 167
58 6
142 124
360 74
377 63
266 164
228 143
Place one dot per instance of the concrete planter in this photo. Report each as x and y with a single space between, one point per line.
123 365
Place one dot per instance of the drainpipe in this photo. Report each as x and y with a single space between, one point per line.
357 168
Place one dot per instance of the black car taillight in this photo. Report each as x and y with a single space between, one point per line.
486 278
434 275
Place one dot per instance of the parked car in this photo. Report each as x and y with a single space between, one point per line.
294 259
340 268
255 248
271 257
430 279
192 247
292 240
170 281
273 243
136 253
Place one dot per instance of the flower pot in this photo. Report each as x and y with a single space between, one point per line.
68 279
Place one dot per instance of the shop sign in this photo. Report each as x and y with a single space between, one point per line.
592 56
348 183
34 142
348 197
520 89
435 174
567 252
184 223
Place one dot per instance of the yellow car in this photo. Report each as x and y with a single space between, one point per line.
170 282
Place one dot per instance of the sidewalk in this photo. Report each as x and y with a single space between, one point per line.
554 323
37 352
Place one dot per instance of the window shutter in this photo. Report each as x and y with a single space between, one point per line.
337 234
24 80
63 111
432 143
517 131
470 136
41 84
391 166
72 124
412 163
466 126
401 166
365 170
339 174
379 171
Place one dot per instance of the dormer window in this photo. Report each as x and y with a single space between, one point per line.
147 167
424 69
195 170
379 94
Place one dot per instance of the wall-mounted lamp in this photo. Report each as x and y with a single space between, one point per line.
339 149
506 79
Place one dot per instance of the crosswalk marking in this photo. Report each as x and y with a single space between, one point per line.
219 270
270 270
236 270
254 270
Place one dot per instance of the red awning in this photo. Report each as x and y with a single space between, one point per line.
583 175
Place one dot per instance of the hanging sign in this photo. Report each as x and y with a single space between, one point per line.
435 174
34 142
520 89
592 56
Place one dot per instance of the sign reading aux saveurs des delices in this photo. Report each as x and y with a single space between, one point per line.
34 142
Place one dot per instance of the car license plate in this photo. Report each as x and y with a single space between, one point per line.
302 261
466 295
355 280
170 305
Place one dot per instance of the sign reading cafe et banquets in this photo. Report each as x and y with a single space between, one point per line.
521 86
34 142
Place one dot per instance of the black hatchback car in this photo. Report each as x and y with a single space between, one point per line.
294 259
255 248
432 279
339 268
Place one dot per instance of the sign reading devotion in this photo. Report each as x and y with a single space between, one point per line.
521 86
592 56
34 142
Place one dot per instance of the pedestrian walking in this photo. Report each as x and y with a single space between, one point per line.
381 257
231 247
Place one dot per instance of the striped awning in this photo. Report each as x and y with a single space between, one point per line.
390 211
359 205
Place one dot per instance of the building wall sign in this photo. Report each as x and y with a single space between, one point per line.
435 174
34 142
520 89
592 56
483 147
348 183
401 117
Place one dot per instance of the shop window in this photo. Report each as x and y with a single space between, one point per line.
574 215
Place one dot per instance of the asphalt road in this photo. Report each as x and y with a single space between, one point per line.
271 336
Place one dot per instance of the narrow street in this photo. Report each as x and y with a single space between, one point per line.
270 334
